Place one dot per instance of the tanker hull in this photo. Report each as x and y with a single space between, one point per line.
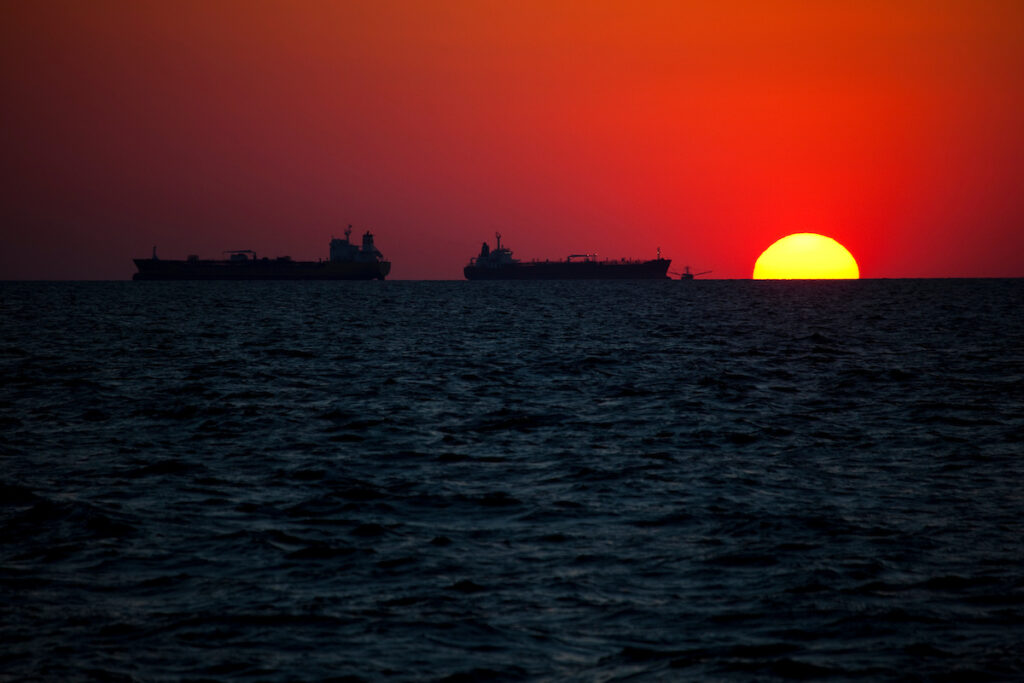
571 270
160 269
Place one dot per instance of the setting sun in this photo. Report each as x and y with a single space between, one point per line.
806 256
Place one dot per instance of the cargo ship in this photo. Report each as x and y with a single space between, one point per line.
347 262
498 264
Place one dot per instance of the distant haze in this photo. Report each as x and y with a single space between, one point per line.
709 130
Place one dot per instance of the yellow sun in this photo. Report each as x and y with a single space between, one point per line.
806 256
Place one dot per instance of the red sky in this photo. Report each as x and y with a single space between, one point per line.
709 129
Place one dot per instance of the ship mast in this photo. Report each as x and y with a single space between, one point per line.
497 235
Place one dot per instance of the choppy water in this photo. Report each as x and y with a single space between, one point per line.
512 481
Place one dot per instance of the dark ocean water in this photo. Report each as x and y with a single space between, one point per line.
512 481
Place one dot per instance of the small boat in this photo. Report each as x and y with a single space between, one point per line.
687 275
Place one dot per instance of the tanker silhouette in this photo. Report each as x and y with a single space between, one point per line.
498 264
346 262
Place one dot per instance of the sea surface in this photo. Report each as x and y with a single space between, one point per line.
584 481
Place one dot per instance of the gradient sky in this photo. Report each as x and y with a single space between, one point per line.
709 129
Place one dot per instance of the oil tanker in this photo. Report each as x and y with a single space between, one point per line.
498 264
347 262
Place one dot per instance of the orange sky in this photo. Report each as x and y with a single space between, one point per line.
707 129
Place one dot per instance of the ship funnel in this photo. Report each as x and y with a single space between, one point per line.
368 247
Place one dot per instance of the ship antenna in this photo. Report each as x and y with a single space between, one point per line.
498 236
348 231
